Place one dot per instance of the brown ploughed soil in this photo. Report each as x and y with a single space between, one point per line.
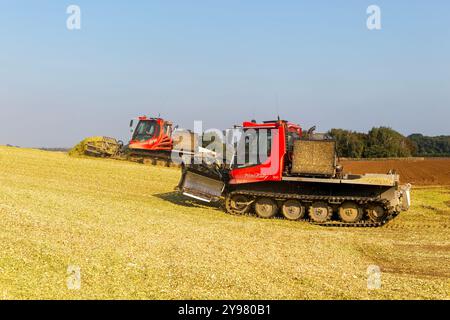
428 171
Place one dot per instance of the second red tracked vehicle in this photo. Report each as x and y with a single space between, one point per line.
279 170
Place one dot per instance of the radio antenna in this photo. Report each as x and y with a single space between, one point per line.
277 106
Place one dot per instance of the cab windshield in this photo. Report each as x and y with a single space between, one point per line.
146 130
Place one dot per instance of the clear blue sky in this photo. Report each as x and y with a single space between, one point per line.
313 62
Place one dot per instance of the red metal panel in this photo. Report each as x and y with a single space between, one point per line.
270 170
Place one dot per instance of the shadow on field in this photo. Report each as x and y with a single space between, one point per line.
178 199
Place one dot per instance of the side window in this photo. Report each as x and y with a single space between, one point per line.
254 148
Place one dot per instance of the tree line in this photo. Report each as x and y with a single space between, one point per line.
384 142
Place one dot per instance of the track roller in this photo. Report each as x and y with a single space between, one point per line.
350 212
266 208
320 212
293 210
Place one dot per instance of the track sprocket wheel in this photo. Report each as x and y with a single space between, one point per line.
237 204
376 213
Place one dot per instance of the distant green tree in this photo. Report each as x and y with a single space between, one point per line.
384 142
430 146
348 143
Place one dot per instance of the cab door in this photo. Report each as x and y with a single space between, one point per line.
263 162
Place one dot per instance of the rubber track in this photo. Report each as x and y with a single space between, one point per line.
360 200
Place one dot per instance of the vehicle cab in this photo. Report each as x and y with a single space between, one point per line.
261 151
152 134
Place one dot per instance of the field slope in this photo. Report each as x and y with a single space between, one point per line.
133 237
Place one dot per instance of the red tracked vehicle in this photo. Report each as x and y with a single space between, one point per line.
152 137
158 139
297 176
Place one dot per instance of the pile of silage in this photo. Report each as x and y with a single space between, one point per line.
80 149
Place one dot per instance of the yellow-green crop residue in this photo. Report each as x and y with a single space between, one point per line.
132 237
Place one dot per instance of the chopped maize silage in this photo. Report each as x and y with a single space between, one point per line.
132 237
80 149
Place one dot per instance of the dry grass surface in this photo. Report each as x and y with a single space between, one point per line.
133 238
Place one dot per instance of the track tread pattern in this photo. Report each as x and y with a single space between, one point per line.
335 199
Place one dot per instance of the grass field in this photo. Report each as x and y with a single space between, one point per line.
132 237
